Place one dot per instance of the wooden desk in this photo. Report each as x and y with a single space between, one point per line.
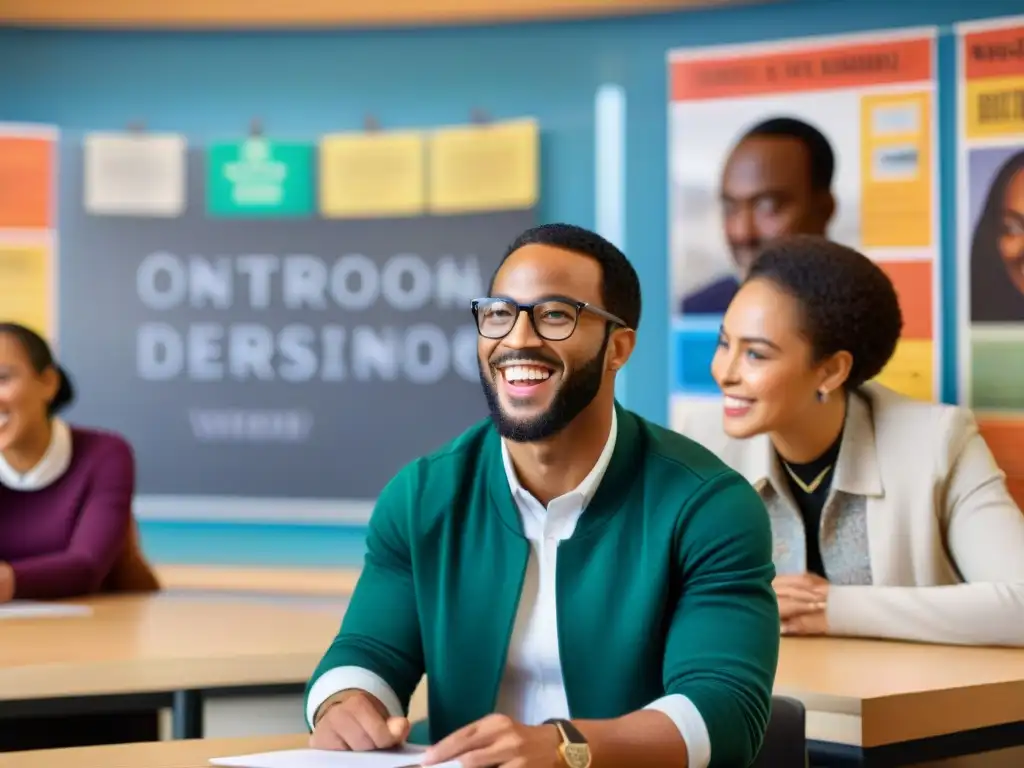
270 581
155 651
165 754
890 698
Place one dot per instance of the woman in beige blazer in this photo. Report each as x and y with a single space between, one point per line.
890 516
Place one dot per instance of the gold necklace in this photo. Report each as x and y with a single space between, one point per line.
812 486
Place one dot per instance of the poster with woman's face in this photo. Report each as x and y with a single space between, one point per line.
994 273
991 237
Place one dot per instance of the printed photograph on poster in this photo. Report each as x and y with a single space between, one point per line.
825 136
991 234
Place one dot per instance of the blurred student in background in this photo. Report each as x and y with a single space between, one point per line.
889 515
66 525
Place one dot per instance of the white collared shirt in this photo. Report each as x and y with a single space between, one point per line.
51 467
532 689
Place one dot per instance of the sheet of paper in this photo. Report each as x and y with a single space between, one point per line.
365 175
494 167
130 174
28 169
27 284
26 609
312 758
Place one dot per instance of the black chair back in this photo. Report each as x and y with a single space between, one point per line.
785 742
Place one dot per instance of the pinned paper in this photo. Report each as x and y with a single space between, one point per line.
26 277
365 175
27 171
489 167
260 178
129 174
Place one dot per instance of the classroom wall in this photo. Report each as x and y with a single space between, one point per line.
212 84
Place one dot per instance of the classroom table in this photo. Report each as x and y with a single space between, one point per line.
156 651
887 703
296 582
160 754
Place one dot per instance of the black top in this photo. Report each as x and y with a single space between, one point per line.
811 504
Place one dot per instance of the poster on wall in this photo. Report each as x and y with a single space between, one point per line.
28 238
759 136
991 234
261 367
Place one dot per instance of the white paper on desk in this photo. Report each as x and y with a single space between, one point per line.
27 609
314 758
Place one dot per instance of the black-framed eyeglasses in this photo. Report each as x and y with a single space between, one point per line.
553 319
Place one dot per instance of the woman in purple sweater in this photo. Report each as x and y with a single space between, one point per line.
66 525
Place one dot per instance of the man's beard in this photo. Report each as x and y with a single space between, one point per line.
576 393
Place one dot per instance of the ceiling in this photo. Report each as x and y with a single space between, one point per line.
315 14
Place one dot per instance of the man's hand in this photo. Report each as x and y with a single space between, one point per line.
802 602
499 741
355 721
6 583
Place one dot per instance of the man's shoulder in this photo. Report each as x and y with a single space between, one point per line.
713 298
675 456
444 467
691 488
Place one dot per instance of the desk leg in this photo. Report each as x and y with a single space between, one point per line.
187 715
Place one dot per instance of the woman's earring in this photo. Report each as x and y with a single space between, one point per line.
822 396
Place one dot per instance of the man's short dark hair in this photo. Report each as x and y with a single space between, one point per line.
620 286
820 158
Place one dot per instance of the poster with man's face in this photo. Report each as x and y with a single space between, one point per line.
787 138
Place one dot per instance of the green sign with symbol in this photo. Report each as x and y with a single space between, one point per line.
260 179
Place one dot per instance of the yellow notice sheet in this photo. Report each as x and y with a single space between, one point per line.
491 167
26 275
372 175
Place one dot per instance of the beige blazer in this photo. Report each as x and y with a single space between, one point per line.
946 540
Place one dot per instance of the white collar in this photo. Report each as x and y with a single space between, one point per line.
51 467
588 487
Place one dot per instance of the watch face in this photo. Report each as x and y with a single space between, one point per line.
576 755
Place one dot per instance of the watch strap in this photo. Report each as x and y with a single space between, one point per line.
572 733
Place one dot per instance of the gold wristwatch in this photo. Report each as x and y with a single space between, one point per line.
574 750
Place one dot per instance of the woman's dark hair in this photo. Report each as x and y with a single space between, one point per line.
993 296
40 357
847 301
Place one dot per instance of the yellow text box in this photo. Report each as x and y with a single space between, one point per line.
994 108
372 175
26 275
491 167
911 369
896 170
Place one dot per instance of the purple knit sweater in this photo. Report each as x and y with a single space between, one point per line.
64 539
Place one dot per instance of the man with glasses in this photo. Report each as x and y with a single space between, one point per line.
579 584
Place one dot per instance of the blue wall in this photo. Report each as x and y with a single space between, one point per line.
309 83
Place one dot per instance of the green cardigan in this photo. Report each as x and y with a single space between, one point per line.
663 588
